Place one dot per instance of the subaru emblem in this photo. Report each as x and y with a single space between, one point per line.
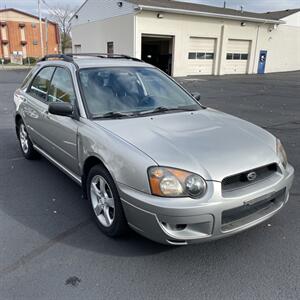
251 176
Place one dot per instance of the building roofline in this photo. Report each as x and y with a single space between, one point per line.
256 18
27 14
208 14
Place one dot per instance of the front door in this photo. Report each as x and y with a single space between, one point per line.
262 62
61 131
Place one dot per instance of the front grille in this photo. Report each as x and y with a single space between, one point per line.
240 180
242 215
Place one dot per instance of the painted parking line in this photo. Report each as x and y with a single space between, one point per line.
194 79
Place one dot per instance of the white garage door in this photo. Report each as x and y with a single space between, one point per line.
201 56
237 56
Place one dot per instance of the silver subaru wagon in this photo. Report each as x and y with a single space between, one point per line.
147 154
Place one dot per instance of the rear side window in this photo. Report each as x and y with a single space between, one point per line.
61 89
41 83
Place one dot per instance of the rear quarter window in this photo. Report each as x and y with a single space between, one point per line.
41 83
28 77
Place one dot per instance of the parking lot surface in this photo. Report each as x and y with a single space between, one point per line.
50 248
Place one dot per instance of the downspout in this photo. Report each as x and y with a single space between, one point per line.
138 10
256 47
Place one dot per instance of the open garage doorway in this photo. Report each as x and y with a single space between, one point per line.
158 51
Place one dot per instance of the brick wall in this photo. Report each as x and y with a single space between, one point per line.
24 35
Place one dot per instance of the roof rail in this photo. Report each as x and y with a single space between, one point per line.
70 56
64 57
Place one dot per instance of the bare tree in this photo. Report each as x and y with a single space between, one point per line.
62 15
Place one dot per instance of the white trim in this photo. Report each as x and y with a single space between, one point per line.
207 14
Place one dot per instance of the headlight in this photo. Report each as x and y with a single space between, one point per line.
282 154
169 182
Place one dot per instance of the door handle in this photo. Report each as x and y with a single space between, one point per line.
22 98
46 114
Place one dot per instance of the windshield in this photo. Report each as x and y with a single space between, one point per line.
116 92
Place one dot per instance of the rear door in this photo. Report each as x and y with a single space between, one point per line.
36 105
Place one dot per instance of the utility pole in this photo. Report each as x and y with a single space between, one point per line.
46 26
41 28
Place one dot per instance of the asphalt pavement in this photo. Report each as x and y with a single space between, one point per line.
50 248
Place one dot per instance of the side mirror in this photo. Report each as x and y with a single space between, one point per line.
196 95
61 109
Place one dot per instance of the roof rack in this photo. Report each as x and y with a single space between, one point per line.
64 57
70 56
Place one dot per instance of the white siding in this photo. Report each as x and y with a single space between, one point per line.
93 37
98 10
282 43
293 20
283 46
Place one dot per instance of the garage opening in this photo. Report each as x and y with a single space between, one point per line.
158 51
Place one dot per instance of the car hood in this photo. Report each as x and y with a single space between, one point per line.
207 142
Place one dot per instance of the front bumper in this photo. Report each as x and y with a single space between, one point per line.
218 214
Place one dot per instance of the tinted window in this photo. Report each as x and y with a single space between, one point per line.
201 55
229 56
192 55
236 56
61 89
41 83
209 56
244 56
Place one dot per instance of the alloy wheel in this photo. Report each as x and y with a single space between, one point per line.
102 200
24 138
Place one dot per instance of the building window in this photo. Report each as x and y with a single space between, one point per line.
237 56
110 47
244 56
77 49
34 42
229 56
201 55
209 55
192 55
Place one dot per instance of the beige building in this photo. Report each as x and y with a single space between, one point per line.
190 39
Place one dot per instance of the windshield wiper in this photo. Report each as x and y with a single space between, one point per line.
112 115
162 109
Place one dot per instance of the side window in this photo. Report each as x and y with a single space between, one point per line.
41 83
61 88
28 77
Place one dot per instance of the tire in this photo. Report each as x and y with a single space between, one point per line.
25 142
105 202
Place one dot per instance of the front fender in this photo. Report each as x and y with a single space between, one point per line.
126 163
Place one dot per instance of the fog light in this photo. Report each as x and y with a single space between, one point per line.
195 186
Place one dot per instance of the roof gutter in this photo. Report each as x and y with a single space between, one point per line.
207 14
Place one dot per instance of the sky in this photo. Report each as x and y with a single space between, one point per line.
250 5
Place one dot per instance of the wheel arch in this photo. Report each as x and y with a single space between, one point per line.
18 118
89 163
